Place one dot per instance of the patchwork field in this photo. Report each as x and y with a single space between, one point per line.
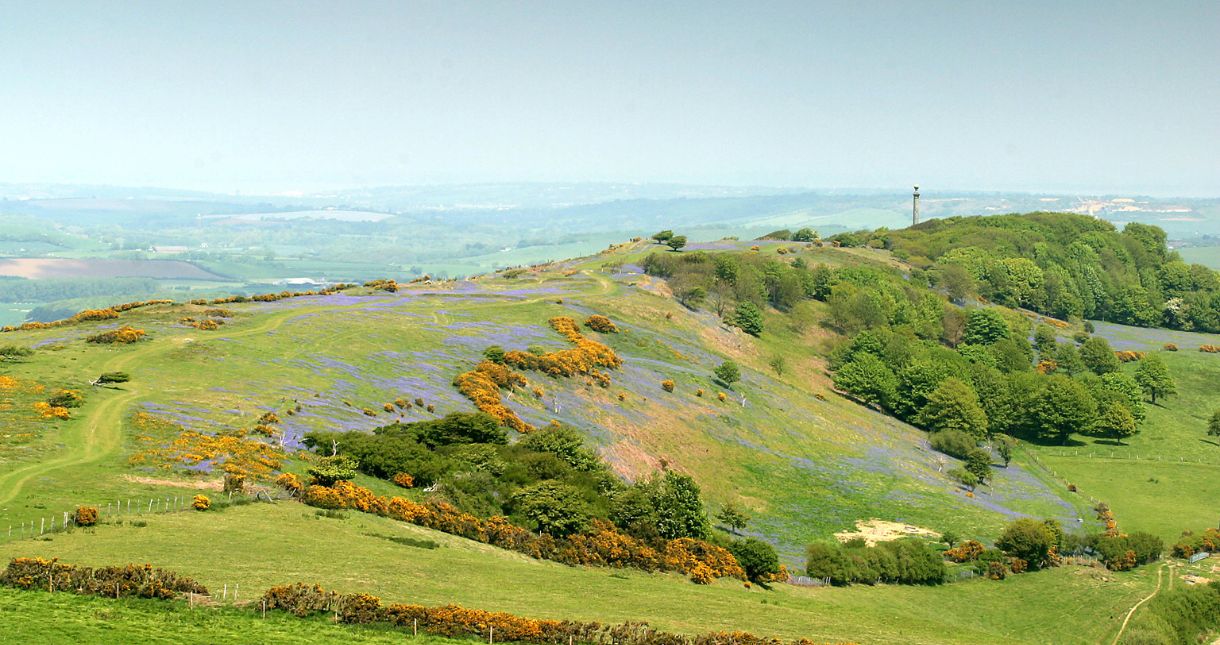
36 268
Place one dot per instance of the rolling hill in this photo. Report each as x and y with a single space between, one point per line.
804 461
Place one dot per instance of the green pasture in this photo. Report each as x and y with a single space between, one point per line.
252 547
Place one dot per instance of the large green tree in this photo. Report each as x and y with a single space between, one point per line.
679 507
1029 540
1114 422
554 508
1154 378
1121 387
756 557
749 318
1096 355
867 378
985 326
954 405
1064 406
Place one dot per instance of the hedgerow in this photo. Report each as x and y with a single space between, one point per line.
454 621
131 580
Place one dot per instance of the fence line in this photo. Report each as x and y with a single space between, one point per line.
110 510
1093 454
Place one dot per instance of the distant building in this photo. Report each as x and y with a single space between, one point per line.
170 249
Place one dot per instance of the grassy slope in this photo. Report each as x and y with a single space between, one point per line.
255 546
804 467
40 617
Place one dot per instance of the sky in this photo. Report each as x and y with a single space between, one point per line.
1079 96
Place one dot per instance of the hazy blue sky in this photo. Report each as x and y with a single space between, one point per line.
257 96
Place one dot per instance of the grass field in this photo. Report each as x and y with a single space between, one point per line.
256 546
1166 478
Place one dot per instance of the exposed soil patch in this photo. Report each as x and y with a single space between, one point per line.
205 484
875 530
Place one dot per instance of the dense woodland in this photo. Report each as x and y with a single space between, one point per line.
1063 265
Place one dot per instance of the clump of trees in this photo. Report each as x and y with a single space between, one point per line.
1062 265
573 508
909 561
977 378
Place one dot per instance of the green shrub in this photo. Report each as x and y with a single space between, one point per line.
954 443
756 557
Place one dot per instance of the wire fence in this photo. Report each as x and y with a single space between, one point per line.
110 511
1123 454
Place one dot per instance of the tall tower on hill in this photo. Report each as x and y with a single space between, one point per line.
915 206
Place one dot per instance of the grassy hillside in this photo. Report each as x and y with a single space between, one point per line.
804 467
256 546
803 461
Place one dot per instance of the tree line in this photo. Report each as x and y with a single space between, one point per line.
1063 265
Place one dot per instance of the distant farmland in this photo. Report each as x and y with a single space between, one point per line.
36 268
1205 255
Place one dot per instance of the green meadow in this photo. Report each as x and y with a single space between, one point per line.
251 547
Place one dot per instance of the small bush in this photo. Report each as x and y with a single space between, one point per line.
1170 347
290 483
667 385
299 599
201 503
85 516
403 479
66 399
601 324
121 336
954 443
